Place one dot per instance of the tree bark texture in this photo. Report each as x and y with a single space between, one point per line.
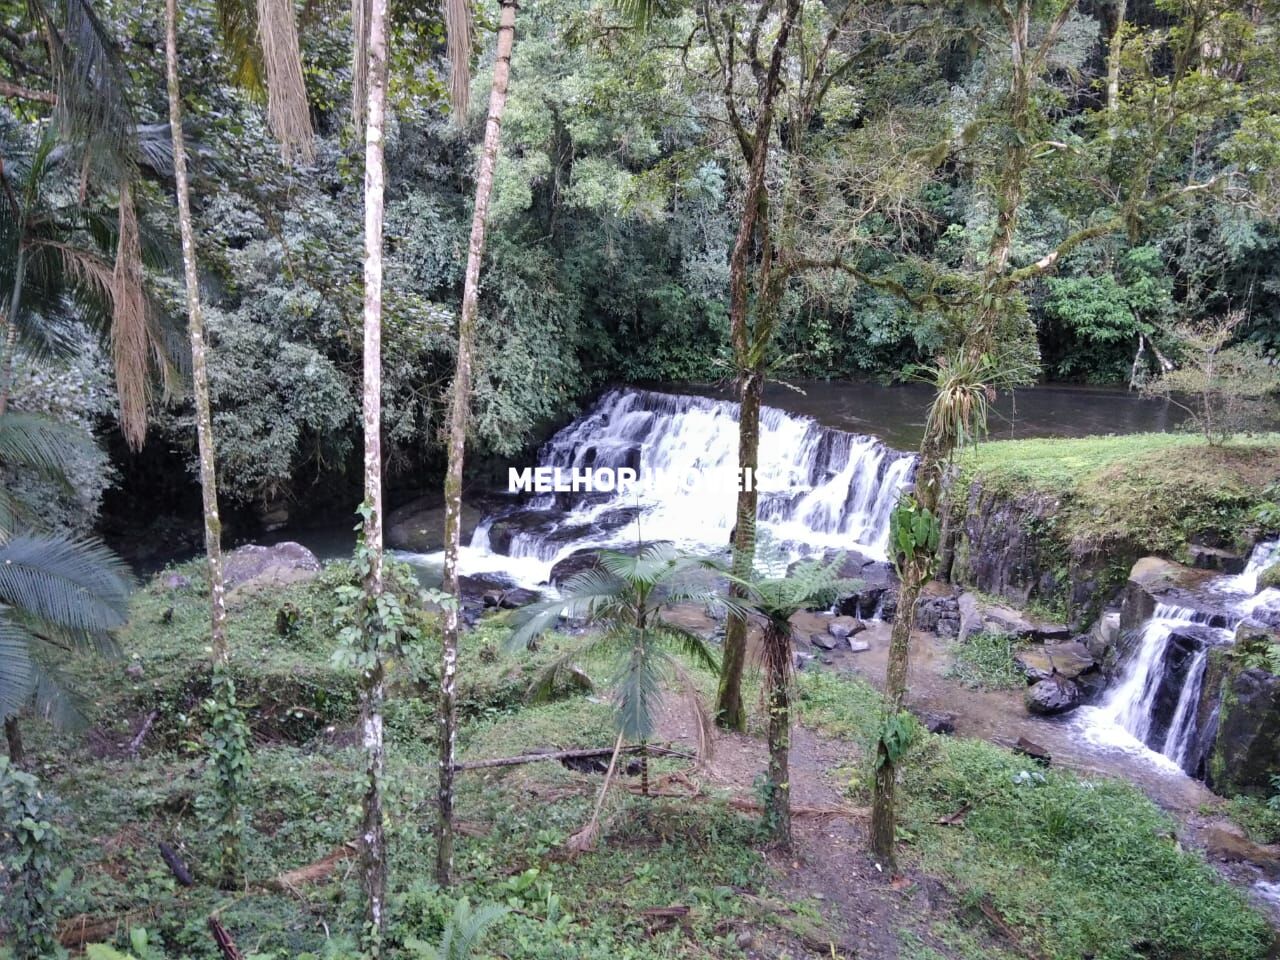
459 413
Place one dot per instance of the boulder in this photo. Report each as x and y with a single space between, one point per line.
858 646
1246 752
1052 696
1205 557
1155 580
982 616
1029 748
254 567
877 584
418 526
1227 841
1102 640
939 615
1067 660
844 627
823 641
940 723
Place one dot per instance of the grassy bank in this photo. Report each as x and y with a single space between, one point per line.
1082 511
1058 869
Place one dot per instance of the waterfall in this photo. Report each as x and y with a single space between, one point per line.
819 488
1155 703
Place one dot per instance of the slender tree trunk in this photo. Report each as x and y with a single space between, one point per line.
13 737
458 415
778 809
730 712
1114 50
11 332
373 854
199 360
230 769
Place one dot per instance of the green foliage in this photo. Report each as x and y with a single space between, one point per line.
625 598
31 863
914 532
462 934
985 661
897 733
227 745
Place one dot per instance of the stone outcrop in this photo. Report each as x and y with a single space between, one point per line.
254 567
1246 737
418 526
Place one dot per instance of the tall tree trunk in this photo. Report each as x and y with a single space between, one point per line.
459 413
1114 49
373 854
778 656
223 686
13 738
752 233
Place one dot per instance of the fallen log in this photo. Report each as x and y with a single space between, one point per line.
798 810
650 750
179 869
136 743
312 872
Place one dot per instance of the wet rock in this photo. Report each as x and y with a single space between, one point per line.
538 524
801 660
1103 639
1154 580
877 583
1029 748
1269 577
939 615
844 627
418 526
1002 550
1227 841
580 561
1067 660
940 723
823 641
858 646
1205 557
254 567
1052 696
1246 753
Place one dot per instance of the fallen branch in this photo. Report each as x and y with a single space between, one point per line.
312 872
649 749
223 939
136 743
797 810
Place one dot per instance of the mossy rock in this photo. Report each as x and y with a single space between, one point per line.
1270 577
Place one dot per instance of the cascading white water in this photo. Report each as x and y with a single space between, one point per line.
819 488
1130 714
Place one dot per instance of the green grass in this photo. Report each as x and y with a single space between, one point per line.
985 662
1074 867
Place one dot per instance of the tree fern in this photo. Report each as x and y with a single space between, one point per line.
462 934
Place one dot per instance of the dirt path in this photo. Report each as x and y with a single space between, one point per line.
864 914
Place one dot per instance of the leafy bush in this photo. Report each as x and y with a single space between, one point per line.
30 847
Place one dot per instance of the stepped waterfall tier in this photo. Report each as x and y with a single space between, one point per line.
820 489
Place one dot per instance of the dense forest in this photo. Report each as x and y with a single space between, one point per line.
275 267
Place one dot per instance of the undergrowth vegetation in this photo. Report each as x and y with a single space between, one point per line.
985 661
1096 867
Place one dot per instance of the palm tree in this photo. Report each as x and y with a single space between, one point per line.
458 416
58 595
625 597
56 269
774 601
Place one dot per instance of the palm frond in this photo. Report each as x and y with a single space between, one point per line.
544 682
697 712
288 110
637 691
73 584
55 700
691 645
238 24
42 444
18 672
